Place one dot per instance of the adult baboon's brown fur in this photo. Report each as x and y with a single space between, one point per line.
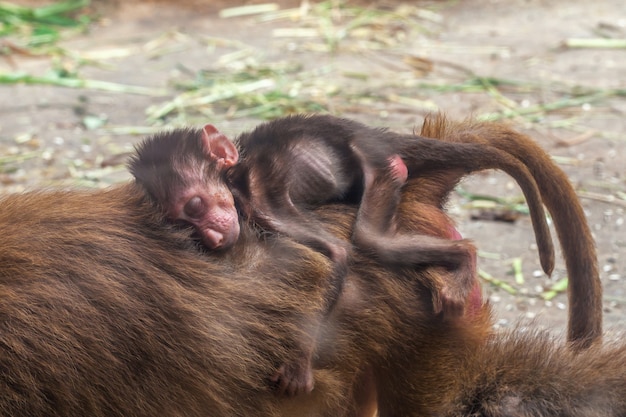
105 310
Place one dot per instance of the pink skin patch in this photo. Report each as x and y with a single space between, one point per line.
222 233
475 298
399 171
213 214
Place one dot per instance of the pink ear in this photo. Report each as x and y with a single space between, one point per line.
217 146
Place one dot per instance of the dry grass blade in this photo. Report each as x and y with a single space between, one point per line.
203 97
557 288
423 105
515 204
595 43
13 159
248 10
15 78
130 130
517 271
606 198
497 283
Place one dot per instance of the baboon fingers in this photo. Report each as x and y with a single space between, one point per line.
294 379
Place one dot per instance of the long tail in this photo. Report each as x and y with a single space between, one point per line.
425 155
558 195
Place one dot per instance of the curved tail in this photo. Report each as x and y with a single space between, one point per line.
558 195
427 155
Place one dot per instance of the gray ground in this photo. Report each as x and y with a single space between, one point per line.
375 74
